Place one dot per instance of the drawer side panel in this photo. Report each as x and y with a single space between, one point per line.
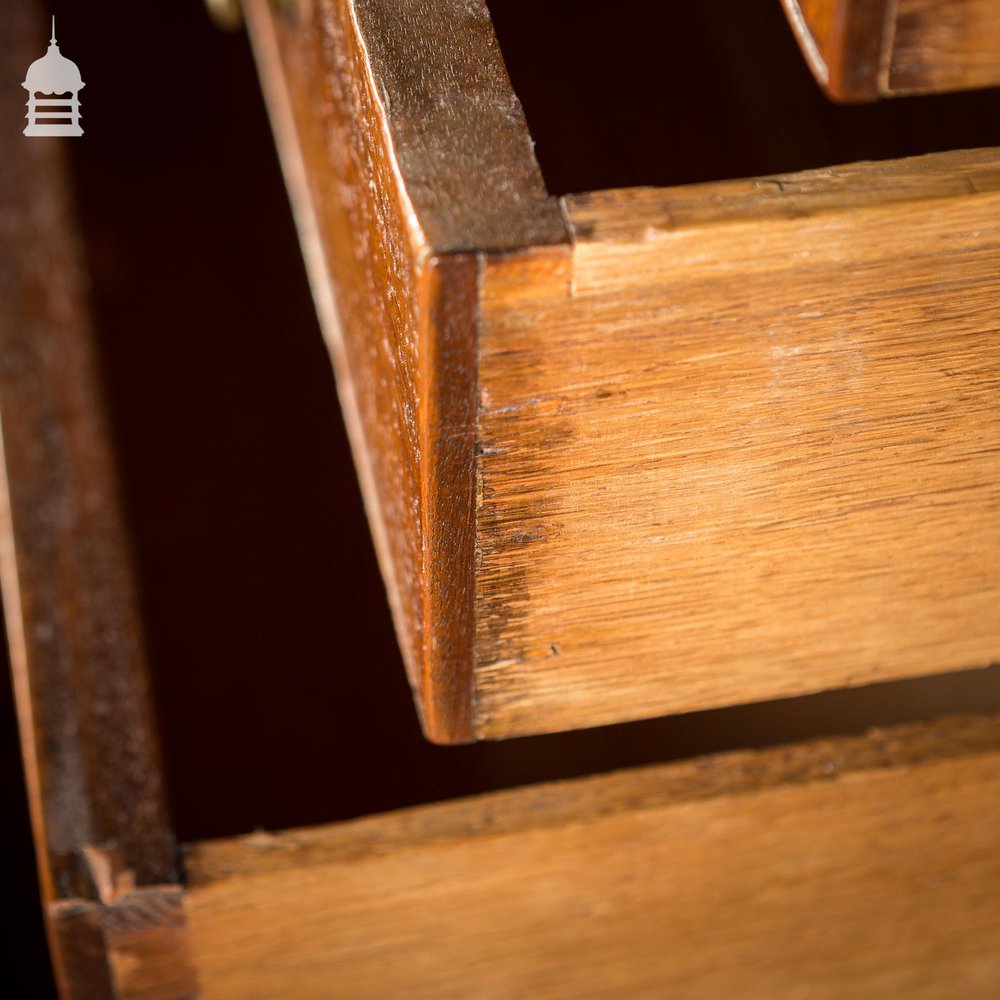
736 454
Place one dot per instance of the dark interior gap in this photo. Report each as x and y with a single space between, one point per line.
654 92
280 692
27 969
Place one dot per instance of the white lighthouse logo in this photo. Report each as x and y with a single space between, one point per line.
58 77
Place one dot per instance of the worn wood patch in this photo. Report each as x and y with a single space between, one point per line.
742 443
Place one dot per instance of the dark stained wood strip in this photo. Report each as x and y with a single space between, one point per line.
77 651
621 216
457 128
361 257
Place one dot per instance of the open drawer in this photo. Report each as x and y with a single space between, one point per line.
840 844
639 451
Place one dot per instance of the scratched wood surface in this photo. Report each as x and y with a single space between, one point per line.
860 51
862 867
742 442
403 148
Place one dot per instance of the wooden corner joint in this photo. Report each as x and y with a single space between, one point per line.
431 171
131 942
847 45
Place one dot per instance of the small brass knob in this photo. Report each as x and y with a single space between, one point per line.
226 14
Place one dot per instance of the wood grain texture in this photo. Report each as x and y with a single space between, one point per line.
942 45
862 867
76 645
104 845
741 443
860 50
403 147
456 127
132 947
780 397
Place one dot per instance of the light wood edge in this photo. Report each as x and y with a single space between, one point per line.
636 214
580 800
812 45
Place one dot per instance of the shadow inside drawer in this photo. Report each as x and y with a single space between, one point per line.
671 93
280 692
